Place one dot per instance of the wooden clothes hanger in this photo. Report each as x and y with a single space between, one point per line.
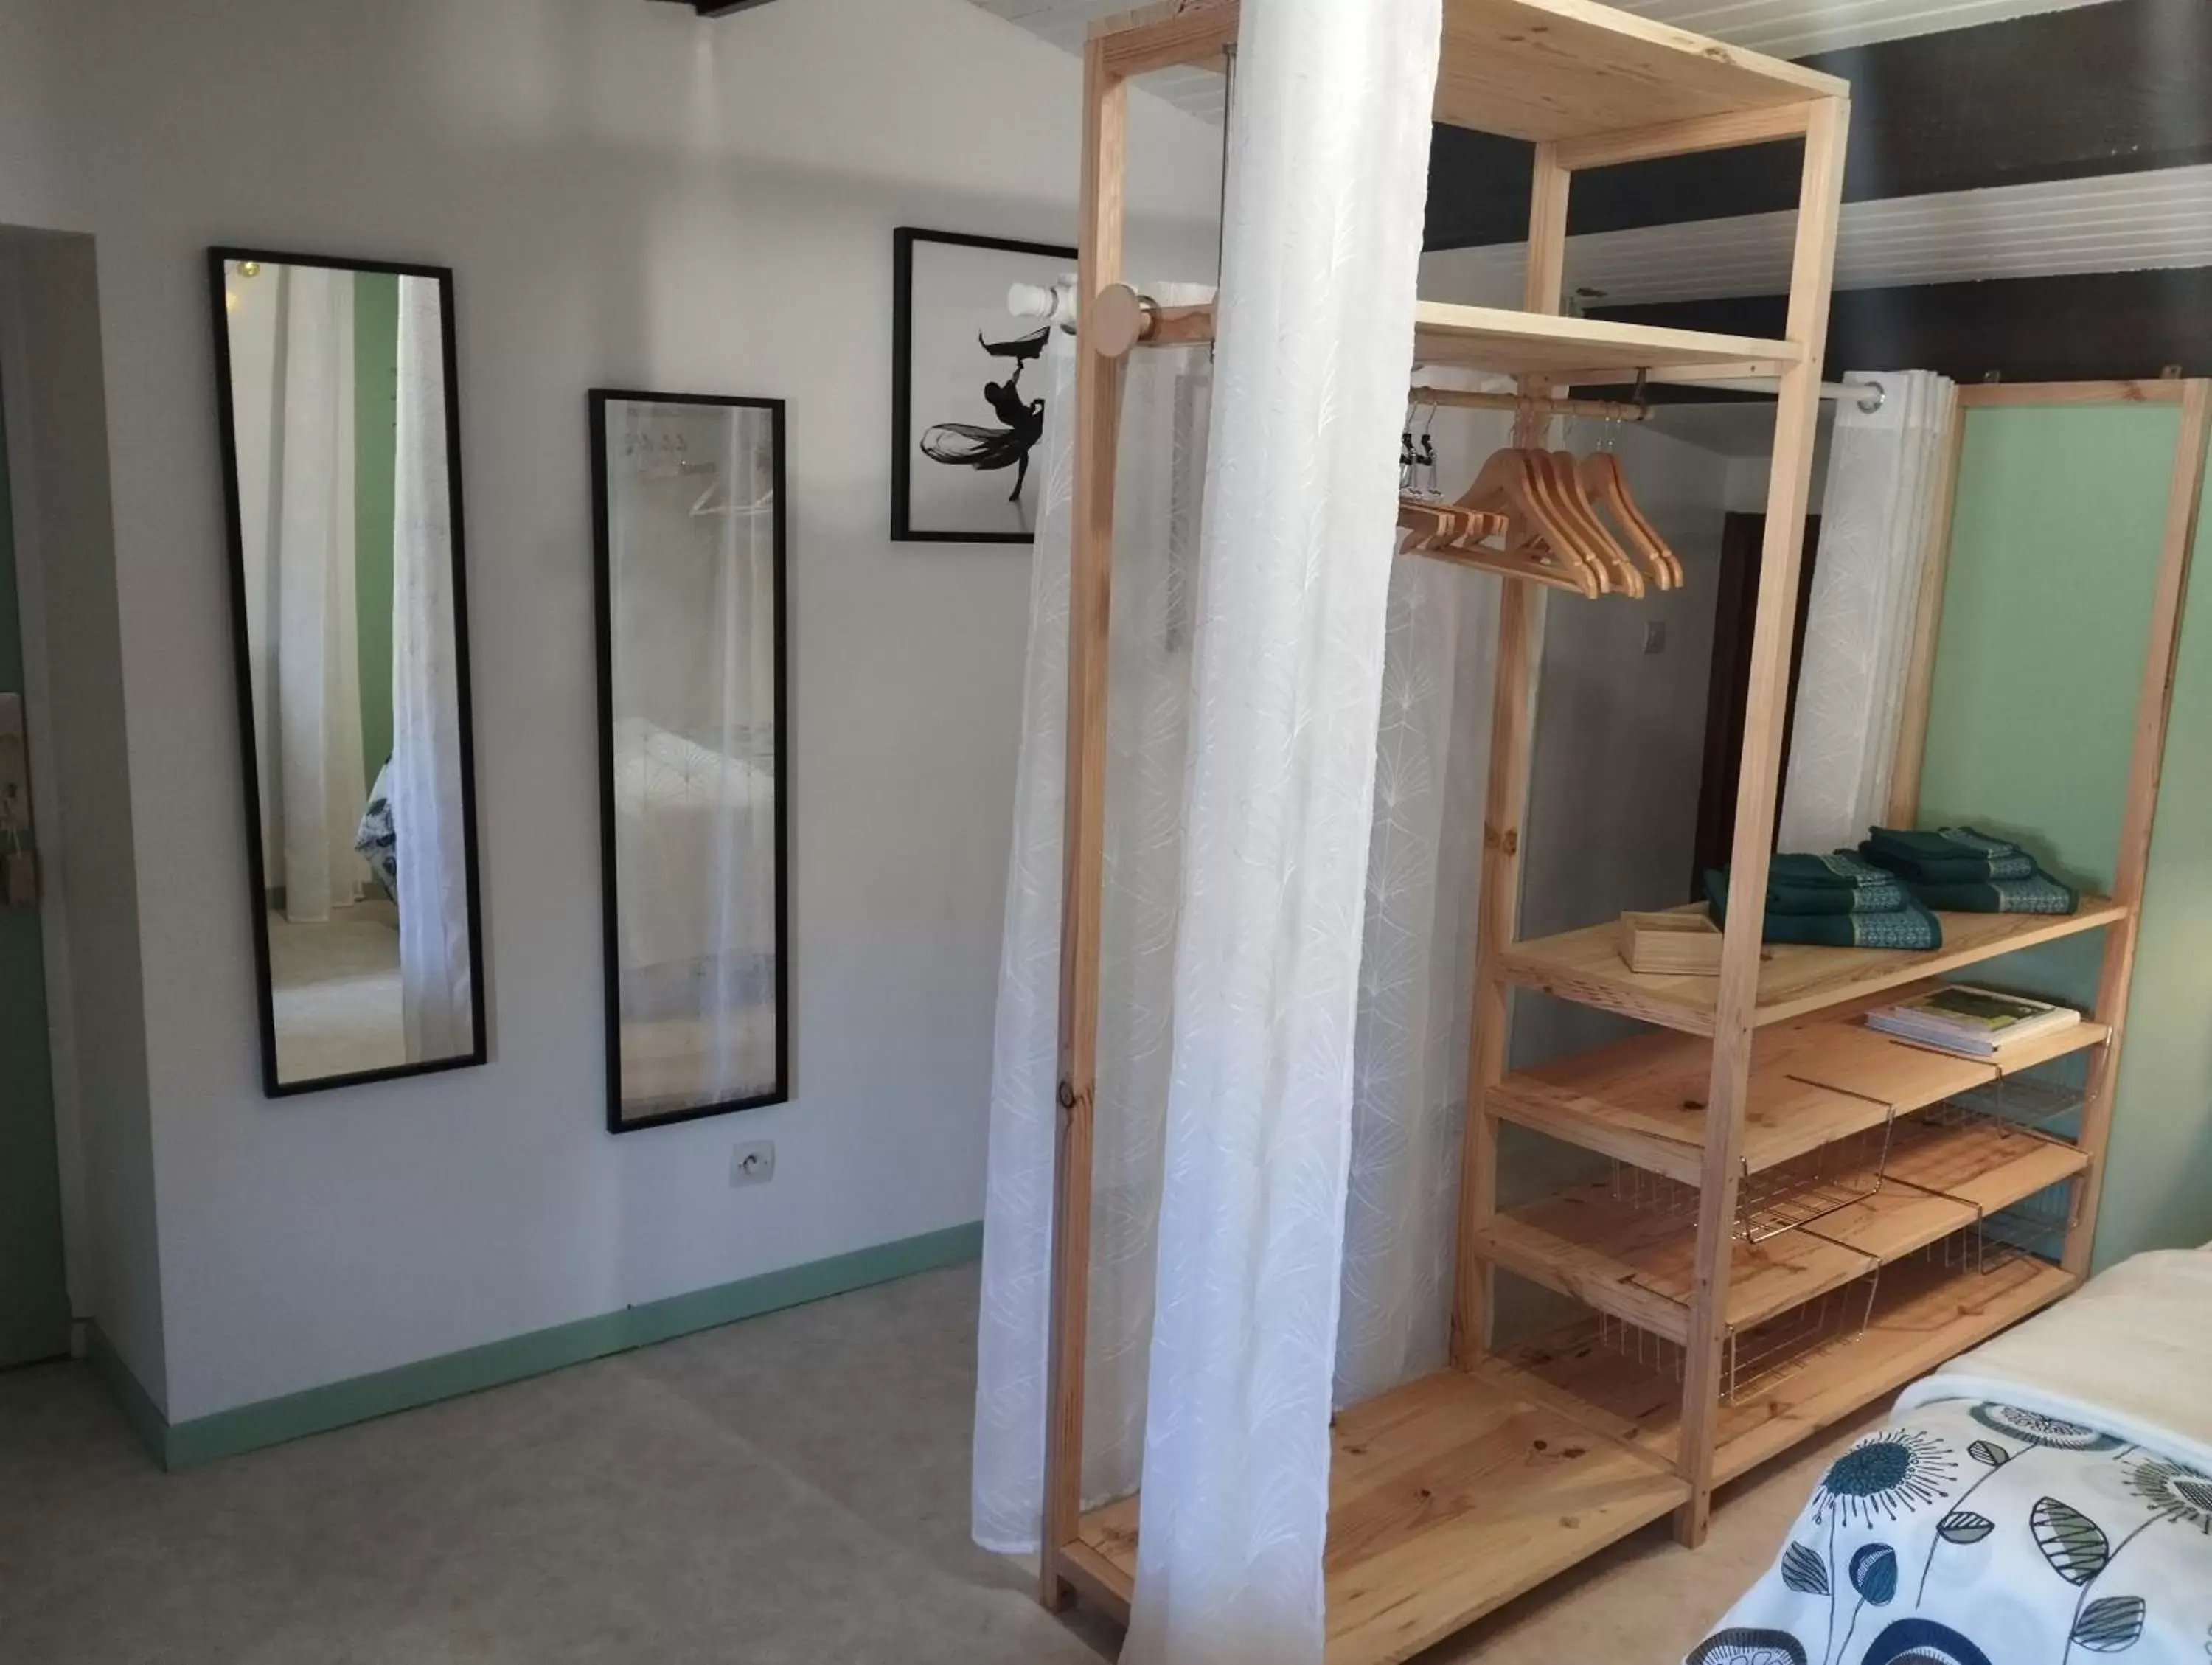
1434 524
1601 479
1620 566
1540 538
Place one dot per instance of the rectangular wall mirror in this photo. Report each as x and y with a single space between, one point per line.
689 533
340 452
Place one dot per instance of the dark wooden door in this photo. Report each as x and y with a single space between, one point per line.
1735 608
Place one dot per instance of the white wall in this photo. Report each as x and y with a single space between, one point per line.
630 198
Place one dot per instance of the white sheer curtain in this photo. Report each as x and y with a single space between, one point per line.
435 976
1328 171
1416 973
1233 994
317 795
1877 529
1160 481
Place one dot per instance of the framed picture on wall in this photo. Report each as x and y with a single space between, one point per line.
967 394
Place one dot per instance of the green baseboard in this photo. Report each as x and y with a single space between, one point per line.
338 1404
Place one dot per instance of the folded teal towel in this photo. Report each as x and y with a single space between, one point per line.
1836 884
1840 870
2038 894
1949 870
1942 842
1908 927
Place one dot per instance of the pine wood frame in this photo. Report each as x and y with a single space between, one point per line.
1684 89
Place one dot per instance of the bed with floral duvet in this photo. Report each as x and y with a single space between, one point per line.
2045 1499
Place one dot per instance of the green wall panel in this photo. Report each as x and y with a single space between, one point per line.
2158 1184
2046 604
376 449
2055 546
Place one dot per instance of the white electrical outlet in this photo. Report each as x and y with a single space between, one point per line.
753 1164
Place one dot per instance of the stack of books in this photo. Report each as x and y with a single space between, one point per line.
1975 1022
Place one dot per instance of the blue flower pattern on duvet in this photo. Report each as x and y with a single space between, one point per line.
1985 1534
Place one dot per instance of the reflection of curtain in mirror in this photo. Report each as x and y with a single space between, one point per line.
315 794
434 973
692 549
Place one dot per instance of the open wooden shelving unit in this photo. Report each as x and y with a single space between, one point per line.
1455 1493
1793 979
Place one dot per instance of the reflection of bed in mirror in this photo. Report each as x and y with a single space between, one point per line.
698 982
690 546
346 585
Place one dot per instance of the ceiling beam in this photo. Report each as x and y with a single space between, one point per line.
2124 86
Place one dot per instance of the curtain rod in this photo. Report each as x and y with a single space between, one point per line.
1870 395
1470 399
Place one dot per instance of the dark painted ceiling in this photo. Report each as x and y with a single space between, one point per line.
2115 88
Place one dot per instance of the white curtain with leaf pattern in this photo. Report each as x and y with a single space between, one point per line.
1878 527
1251 679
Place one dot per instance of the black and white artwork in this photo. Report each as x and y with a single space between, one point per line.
967 394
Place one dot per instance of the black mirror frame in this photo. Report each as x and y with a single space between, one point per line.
603 644
242 654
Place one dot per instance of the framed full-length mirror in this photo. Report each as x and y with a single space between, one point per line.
688 534
340 432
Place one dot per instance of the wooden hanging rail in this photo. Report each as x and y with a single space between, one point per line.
1468 399
1500 339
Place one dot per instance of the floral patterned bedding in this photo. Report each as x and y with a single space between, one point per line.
1974 1532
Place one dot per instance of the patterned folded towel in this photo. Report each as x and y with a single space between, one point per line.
1909 927
1836 884
1949 870
1942 842
1840 870
2041 894
1947 855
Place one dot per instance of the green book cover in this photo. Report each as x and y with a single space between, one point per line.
1975 1008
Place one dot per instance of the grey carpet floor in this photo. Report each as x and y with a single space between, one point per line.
793 1489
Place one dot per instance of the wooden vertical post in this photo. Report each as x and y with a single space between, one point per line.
1796 424
1090 593
2153 705
1497 908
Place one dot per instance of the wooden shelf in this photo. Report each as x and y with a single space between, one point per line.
1812 1080
1563 68
1533 68
1448 1497
1533 343
1923 1314
1639 1264
1794 980
1984 1165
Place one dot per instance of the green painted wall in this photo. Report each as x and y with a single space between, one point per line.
375 429
34 1314
2047 611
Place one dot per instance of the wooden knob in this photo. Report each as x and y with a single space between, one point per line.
1119 320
